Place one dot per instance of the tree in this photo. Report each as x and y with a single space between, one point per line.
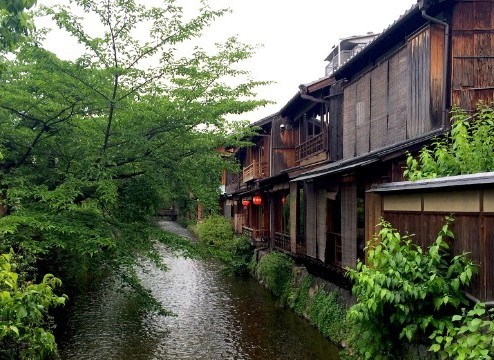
93 146
15 22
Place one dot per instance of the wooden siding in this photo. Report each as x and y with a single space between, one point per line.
419 116
283 142
363 115
349 224
349 122
379 106
472 65
335 123
399 98
473 227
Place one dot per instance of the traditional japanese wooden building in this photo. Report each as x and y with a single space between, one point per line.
348 132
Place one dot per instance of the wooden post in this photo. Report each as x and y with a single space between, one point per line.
311 219
321 224
293 217
349 224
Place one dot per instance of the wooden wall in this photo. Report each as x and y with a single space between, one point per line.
472 67
423 214
283 147
399 98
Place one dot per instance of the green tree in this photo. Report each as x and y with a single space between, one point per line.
14 22
92 147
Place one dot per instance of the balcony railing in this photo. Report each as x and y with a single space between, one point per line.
256 234
311 147
282 241
256 170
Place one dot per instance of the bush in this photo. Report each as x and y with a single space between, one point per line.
468 336
215 230
404 293
24 332
275 271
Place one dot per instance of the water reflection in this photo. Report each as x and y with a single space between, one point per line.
218 317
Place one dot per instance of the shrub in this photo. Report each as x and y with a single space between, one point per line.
215 230
24 332
468 336
404 293
275 271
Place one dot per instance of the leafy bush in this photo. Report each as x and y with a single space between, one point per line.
468 336
275 271
467 149
215 230
24 331
404 293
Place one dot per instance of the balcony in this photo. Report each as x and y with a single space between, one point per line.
311 147
282 241
256 234
256 170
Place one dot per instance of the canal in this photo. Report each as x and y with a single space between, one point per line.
217 317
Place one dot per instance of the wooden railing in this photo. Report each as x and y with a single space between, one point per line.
256 170
256 234
311 147
282 241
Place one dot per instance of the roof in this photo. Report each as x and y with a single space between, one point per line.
447 181
265 120
371 157
394 33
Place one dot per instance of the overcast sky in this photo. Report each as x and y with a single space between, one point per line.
296 37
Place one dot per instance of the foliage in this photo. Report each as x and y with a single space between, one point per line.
469 335
14 22
405 293
216 238
24 331
93 146
215 230
467 149
275 271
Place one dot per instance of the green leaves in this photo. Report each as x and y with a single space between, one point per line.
467 149
23 310
404 292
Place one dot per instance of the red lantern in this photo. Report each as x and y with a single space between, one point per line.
245 202
257 200
283 200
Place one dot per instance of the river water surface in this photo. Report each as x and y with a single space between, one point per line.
217 317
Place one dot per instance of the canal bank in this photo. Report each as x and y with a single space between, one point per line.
217 317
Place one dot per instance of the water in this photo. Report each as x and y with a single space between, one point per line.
218 317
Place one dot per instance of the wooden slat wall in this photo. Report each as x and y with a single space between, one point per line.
335 128
349 224
363 115
398 95
379 106
284 143
419 116
349 121
311 219
400 98
472 53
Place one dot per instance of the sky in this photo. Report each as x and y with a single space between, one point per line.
296 37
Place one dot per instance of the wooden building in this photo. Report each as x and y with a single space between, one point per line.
349 131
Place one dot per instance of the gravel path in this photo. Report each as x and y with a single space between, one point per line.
175 228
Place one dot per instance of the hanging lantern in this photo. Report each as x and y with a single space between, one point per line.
245 202
283 200
257 200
